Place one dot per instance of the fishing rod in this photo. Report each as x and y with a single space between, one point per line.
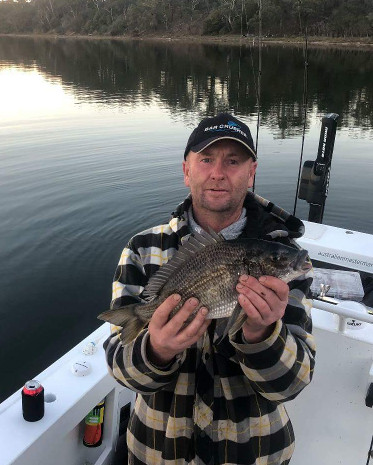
258 85
305 101
259 73
370 453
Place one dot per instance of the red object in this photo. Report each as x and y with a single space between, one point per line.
32 388
33 401
92 435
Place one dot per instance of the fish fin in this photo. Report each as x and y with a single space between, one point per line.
237 324
216 236
132 330
235 314
194 244
127 317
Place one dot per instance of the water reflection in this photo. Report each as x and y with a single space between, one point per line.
92 138
27 93
205 78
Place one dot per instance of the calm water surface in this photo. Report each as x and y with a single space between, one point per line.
91 141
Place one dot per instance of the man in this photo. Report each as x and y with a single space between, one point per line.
204 398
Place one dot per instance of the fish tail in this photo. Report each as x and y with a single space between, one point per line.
128 318
132 329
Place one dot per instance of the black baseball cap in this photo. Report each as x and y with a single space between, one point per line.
219 127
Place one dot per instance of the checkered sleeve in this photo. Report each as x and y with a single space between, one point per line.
282 365
128 363
129 278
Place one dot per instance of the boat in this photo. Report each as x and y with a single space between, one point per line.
332 417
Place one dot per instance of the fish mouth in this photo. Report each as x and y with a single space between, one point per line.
302 262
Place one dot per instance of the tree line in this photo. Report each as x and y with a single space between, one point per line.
332 18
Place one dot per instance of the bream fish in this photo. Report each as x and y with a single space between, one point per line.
208 267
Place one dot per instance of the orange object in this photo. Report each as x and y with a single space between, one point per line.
94 423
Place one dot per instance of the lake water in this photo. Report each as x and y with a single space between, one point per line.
92 137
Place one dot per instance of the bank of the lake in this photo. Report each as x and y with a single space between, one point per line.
353 43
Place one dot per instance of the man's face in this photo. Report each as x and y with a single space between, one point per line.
219 177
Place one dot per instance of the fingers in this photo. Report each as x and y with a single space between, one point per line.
256 303
162 313
193 331
170 336
254 298
267 287
255 312
278 286
197 327
263 300
179 319
171 326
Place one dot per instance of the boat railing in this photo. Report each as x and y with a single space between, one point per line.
346 311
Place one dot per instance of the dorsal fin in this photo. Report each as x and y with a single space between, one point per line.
217 236
195 243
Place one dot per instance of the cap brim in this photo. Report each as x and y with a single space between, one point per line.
206 143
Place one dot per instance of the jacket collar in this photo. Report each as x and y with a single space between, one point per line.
266 220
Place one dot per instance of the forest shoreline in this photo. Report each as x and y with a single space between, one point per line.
360 43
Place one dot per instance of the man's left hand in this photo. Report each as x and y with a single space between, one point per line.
264 301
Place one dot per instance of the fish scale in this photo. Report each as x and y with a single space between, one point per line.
208 267
217 287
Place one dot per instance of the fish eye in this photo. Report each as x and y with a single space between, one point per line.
275 257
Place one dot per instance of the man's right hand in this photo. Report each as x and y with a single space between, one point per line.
169 337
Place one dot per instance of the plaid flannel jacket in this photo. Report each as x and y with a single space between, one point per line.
218 403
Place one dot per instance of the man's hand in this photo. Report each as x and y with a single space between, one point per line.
264 302
168 337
